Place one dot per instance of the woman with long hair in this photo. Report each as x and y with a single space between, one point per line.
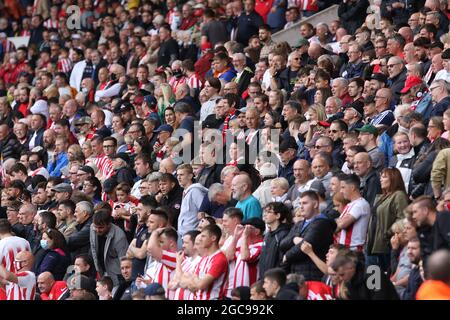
388 209
92 187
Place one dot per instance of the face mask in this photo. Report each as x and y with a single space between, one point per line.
307 116
177 73
33 165
84 90
44 244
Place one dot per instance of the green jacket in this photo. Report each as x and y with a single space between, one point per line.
389 209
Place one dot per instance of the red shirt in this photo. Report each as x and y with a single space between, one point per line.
58 289
262 7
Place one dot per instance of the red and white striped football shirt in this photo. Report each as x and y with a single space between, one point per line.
354 236
188 266
246 271
24 289
194 82
231 264
164 270
51 24
215 265
9 248
104 164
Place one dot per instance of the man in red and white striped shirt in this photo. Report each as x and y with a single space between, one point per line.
21 283
10 245
247 255
187 260
103 162
211 273
162 247
232 217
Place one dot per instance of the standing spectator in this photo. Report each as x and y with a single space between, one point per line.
242 191
193 194
370 181
168 51
316 229
248 22
21 284
388 209
209 280
274 215
108 242
353 222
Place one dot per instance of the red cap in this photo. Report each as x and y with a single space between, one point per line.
138 100
324 124
411 81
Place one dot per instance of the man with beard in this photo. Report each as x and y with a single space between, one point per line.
414 279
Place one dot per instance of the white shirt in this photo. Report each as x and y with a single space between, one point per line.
354 236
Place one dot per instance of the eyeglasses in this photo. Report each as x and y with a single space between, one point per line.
431 89
392 65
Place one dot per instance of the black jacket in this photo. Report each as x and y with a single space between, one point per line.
396 84
79 242
421 175
244 81
319 233
442 231
414 282
352 14
210 175
126 175
370 186
358 288
426 238
271 256
173 201
10 147
338 154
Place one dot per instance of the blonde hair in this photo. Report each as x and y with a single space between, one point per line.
280 182
319 110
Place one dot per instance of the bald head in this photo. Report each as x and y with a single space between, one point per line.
439 266
362 163
27 260
406 33
241 187
45 282
167 166
315 50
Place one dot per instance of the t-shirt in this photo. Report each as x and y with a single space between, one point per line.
9 248
215 265
246 272
251 207
354 237
164 269
188 266
24 289
57 291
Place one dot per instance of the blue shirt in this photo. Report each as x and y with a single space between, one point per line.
54 168
251 207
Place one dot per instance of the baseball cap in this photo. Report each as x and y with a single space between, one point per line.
301 42
258 223
83 120
122 155
411 81
268 170
324 124
381 77
289 143
147 89
154 289
150 100
62 187
369 129
109 185
358 106
123 107
164 127
318 187
210 123
88 169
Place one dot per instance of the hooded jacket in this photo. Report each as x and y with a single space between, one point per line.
190 205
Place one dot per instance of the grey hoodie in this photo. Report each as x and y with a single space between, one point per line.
192 200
